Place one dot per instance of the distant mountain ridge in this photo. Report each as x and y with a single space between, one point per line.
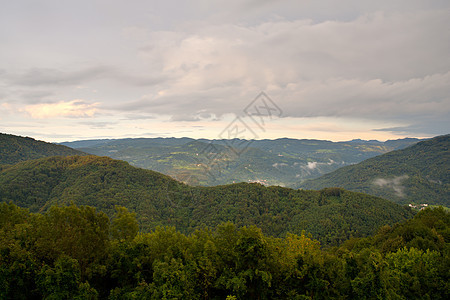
282 162
14 149
417 174
331 215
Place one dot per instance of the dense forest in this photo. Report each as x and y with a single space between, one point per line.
204 162
417 174
14 149
90 227
331 215
77 252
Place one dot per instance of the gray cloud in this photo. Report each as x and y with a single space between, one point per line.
36 96
97 124
429 127
185 118
38 77
49 77
379 60
366 67
139 117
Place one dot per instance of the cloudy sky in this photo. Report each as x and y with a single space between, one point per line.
334 70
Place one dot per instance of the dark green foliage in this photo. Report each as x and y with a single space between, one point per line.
124 224
50 255
229 262
417 174
428 230
407 261
14 149
63 281
64 249
80 232
331 215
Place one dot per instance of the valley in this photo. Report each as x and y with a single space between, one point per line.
283 162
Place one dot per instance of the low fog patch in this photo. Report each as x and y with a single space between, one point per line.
394 183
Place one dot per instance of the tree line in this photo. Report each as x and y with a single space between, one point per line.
77 252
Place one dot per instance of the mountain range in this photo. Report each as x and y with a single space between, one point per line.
284 162
67 248
417 174
330 215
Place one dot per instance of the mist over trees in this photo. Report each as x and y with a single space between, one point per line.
416 174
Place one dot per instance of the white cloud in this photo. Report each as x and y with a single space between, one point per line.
311 165
279 165
75 108
392 183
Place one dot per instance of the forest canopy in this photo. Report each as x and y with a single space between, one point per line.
14 149
331 215
77 252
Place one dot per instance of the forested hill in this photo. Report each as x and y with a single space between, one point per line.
281 161
14 149
417 174
330 215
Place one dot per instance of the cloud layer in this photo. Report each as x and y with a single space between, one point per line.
74 108
380 63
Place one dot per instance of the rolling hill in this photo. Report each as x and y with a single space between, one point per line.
14 149
417 174
282 162
331 215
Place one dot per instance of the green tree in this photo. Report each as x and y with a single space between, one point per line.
63 281
416 274
124 225
172 281
78 232
369 283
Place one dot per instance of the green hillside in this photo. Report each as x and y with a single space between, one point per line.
330 215
283 162
417 174
14 149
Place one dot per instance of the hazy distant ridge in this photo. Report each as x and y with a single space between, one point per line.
281 161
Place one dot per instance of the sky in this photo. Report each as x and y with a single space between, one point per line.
327 69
